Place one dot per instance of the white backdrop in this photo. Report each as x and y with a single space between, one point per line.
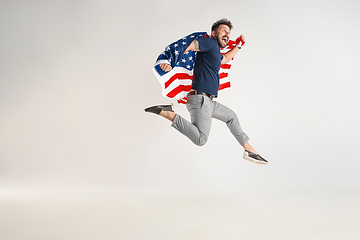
75 77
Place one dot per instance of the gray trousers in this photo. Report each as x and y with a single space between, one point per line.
202 109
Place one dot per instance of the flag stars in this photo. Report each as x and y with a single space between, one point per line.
168 48
175 45
190 58
183 43
183 60
188 66
176 52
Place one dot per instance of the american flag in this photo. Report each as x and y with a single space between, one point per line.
176 83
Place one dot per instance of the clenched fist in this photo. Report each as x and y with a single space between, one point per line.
165 67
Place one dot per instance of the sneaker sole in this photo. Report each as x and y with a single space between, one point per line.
255 161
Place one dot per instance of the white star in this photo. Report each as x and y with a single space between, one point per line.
192 36
183 60
168 48
188 66
176 52
184 38
190 58
175 45
187 53
184 43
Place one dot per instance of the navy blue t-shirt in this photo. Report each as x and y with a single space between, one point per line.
207 66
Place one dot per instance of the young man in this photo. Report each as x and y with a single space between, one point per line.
205 85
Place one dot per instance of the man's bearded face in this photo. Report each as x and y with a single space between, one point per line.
222 35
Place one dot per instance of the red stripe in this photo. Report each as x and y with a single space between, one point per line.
183 100
177 76
223 75
231 42
178 90
226 66
224 85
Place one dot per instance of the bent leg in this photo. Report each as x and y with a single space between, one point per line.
200 109
228 116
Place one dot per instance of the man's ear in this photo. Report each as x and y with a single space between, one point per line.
213 34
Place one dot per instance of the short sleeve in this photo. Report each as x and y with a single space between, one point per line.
207 44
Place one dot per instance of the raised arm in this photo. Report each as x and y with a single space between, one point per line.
194 46
230 54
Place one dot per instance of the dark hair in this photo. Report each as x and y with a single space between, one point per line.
224 21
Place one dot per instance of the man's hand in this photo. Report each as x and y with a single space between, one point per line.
242 38
165 67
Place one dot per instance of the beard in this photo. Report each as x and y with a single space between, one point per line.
220 41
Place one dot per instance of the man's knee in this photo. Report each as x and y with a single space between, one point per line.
232 117
200 141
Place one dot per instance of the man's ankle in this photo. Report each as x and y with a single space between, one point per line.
168 115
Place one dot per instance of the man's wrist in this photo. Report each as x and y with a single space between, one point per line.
240 44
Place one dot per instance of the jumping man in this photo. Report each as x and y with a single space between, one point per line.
205 86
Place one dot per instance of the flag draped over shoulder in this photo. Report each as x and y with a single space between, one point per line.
176 83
